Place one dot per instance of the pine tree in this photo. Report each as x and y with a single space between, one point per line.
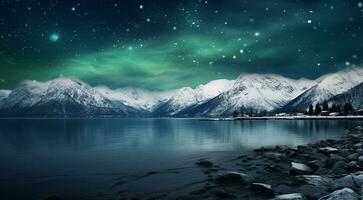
348 108
235 113
317 109
311 110
325 106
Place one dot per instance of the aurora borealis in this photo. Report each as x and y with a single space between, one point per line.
164 44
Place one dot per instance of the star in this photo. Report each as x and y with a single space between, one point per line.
54 37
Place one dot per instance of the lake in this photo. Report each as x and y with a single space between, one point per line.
106 158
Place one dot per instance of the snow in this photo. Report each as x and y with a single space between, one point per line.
258 93
328 86
187 96
135 97
249 92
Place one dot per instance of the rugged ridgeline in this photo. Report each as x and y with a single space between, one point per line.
354 96
327 87
249 93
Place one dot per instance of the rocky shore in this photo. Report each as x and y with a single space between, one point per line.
326 170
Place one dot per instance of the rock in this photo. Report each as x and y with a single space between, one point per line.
312 192
357 128
358 145
283 189
231 177
318 181
353 166
353 156
333 158
204 163
274 155
358 179
345 182
299 168
340 164
343 194
294 196
360 160
262 189
327 150
314 165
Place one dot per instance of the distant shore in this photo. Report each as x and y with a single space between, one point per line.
354 117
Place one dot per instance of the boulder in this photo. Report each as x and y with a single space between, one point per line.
346 181
340 164
360 160
353 156
231 177
333 158
293 196
204 163
262 189
299 168
358 179
327 150
318 181
314 165
353 166
343 194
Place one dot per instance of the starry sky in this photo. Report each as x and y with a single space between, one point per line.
166 44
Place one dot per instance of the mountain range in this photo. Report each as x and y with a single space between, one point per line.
249 93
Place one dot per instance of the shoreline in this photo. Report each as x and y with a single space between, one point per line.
325 170
358 117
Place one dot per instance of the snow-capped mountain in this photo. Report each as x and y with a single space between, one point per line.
187 97
327 87
60 97
136 98
3 95
252 93
248 93
353 96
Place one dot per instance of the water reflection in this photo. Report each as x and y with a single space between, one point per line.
42 155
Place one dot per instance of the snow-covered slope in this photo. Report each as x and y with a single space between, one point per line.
187 97
137 98
60 97
3 95
353 96
252 93
327 87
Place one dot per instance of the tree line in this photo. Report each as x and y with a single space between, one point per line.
346 109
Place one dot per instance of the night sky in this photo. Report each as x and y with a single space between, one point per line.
164 44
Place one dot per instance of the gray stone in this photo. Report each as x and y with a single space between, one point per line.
294 196
314 165
318 181
327 150
262 189
204 163
340 164
299 168
312 192
231 177
333 158
353 156
358 179
360 160
353 165
346 181
343 194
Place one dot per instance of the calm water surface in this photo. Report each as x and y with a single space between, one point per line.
86 158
